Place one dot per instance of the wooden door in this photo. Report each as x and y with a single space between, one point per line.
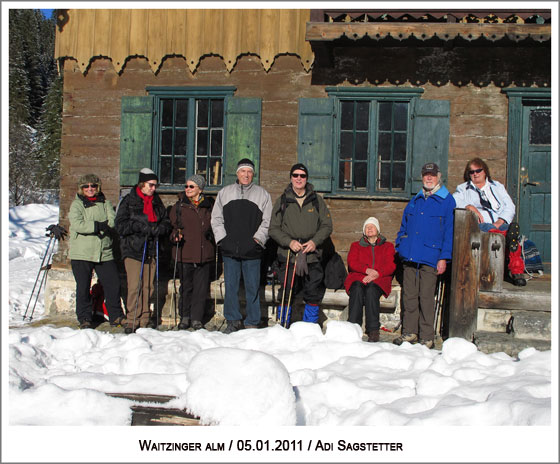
535 176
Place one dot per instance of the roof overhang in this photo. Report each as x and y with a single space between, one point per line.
328 32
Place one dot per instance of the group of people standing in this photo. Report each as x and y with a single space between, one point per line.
241 220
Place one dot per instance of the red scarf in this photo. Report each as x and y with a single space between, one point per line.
92 198
148 206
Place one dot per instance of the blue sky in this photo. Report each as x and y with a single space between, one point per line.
47 13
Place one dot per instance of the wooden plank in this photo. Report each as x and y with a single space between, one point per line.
143 415
120 38
515 300
138 32
463 304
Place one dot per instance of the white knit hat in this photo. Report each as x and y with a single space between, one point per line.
371 220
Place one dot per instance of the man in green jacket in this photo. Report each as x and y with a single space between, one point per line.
300 224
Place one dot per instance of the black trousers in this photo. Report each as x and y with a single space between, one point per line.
312 283
195 282
366 297
108 275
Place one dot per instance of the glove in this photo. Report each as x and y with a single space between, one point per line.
101 226
301 264
156 231
57 231
140 224
176 236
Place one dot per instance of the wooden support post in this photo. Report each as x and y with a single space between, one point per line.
463 305
492 262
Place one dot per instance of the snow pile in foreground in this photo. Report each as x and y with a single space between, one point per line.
269 375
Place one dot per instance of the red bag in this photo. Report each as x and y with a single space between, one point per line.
98 301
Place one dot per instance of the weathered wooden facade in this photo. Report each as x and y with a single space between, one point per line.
364 98
457 84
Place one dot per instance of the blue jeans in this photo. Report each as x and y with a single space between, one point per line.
251 269
486 226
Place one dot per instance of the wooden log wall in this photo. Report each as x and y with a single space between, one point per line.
91 128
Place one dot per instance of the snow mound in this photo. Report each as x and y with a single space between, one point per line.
457 349
221 378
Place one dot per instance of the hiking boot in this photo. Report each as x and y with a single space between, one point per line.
513 237
128 330
518 280
410 338
197 325
373 336
151 325
118 322
427 343
251 326
85 325
184 324
232 326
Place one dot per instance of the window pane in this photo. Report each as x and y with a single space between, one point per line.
202 113
384 146
401 116
180 142
345 175
201 142
217 113
167 113
384 176
166 141
182 113
347 115
179 170
216 142
362 115
346 145
399 150
360 176
200 167
165 170
215 177
539 127
385 116
399 174
361 146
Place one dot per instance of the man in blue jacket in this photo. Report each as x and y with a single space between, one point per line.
424 244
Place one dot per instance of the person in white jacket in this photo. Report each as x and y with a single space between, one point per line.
495 210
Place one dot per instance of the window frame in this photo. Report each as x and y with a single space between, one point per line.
375 96
191 93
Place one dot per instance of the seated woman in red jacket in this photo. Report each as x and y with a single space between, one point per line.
371 266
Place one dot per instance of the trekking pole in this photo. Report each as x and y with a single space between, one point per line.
286 322
157 282
440 317
279 315
174 289
37 278
437 314
140 284
43 280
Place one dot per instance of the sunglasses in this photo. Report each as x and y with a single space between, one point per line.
473 171
152 185
303 176
85 186
190 186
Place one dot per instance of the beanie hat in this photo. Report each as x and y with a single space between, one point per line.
299 166
245 163
198 180
371 220
88 179
146 174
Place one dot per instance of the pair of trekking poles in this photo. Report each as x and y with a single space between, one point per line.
285 314
54 232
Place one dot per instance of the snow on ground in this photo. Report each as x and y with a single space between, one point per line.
260 378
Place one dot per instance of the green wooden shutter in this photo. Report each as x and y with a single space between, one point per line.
136 137
243 135
315 140
430 139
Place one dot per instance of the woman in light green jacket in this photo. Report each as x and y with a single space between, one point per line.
92 219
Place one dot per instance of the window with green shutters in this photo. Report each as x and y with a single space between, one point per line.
181 131
371 142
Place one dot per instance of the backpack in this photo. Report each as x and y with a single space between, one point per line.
335 272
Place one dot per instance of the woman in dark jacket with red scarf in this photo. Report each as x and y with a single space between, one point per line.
371 265
193 242
141 223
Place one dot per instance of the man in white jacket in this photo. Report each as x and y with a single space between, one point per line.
489 200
